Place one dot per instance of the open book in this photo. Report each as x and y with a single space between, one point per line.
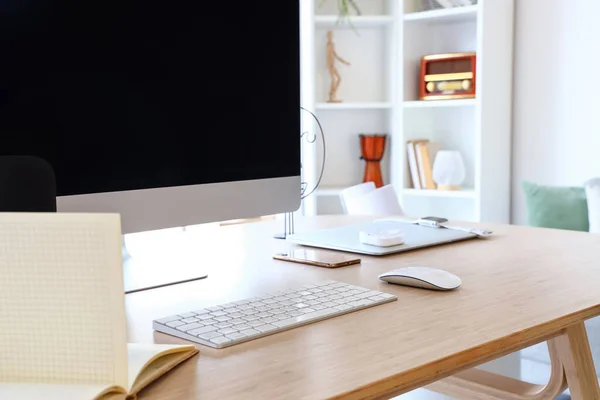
63 326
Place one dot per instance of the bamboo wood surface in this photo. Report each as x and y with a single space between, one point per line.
520 286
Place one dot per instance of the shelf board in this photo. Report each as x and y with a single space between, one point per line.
440 103
465 193
455 14
328 191
354 106
367 21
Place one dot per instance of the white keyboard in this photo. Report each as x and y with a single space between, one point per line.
240 321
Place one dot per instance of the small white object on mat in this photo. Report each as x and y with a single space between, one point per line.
381 238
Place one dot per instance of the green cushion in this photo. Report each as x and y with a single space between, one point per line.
560 207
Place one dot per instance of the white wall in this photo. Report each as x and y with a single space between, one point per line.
556 126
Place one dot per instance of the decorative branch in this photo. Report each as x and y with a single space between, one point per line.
346 9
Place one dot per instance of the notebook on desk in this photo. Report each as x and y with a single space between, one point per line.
346 238
63 328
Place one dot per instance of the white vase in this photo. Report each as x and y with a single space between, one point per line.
448 170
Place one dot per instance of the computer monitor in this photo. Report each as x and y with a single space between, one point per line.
169 113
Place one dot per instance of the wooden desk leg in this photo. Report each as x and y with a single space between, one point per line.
477 384
576 357
572 366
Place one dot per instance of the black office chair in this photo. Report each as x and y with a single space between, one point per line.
27 184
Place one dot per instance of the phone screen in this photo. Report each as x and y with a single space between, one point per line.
302 254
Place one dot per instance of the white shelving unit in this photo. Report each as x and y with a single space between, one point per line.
380 95
479 128
368 90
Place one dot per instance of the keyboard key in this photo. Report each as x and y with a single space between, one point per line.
215 308
269 320
236 315
189 327
256 323
174 324
204 329
250 318
227 331
222 319
204 317
187 315
210 335
236 335
222 325
361 303
242 327
364 295
189 320
200 312
304 317
263 315
220 340
218 313
250 332
209 321
266 328
168 319
237 321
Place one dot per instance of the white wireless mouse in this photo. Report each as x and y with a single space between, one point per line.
422 277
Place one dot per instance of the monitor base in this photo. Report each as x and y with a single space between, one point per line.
139 276
288 226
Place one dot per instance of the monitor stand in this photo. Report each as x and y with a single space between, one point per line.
288 226
143 274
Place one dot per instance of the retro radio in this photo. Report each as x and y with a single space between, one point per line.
447 76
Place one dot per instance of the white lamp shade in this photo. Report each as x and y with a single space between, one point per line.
448 168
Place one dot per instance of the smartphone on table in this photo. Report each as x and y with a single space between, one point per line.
317 258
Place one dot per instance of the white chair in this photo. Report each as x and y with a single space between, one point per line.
365 199
355 191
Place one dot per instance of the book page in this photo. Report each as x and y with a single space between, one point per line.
62 305
149 361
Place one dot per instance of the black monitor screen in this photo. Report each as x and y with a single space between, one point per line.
134 94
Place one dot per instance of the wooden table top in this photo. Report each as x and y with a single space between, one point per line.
519 286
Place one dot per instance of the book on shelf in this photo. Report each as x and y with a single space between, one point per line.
63 329
412 162
421 155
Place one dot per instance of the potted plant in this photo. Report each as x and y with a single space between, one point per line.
346 8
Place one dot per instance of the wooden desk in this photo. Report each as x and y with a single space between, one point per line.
520 287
